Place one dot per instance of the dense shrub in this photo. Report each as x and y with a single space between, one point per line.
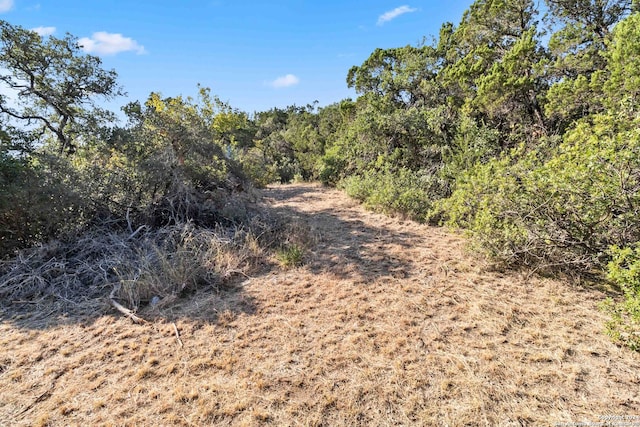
624 270
331 167
257 167
166 168
38 196
472 144
562 210
402 191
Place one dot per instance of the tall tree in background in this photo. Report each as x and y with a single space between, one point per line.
492 58
55 84
401 75
400 114
622 90
577 50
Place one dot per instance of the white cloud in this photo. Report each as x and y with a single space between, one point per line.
104 43
44 31
285 81
6 5
393 14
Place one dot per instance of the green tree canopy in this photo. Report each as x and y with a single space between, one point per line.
576 49
56 85
403 75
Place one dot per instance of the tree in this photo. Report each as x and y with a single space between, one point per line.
402 75
587 25
576 49
55 83
622 90
274 149
491 61
564 205
510 90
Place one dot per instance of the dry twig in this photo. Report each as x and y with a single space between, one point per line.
122 309
175 329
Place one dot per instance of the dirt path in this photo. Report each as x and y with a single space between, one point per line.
387 323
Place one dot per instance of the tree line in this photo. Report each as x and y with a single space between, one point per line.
518 125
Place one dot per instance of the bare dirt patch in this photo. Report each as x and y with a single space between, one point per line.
388 322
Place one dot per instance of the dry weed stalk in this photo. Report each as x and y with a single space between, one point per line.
133 268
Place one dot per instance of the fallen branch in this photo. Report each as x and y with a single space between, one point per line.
122 309
175 329
142 227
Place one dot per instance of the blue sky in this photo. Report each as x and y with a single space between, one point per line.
253 54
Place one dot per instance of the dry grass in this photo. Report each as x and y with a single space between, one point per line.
387 323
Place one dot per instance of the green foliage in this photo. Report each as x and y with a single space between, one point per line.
331 166
57 85
401 191
561 205
290 256
483 195
37 200
429 114
508 92
257 167
562 210
623 86
307 144
287 141
400 75
576 50
291 143
572 99
624 271
471 145
493 38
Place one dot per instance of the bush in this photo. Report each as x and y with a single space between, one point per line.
257 168
402 191
559 207
483 204
624 271
166 168
38 201
472 144
290 256
331 167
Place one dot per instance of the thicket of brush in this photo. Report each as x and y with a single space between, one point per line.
143 213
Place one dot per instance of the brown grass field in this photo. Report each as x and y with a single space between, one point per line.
387 323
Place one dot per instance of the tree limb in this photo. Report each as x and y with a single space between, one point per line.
122 309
